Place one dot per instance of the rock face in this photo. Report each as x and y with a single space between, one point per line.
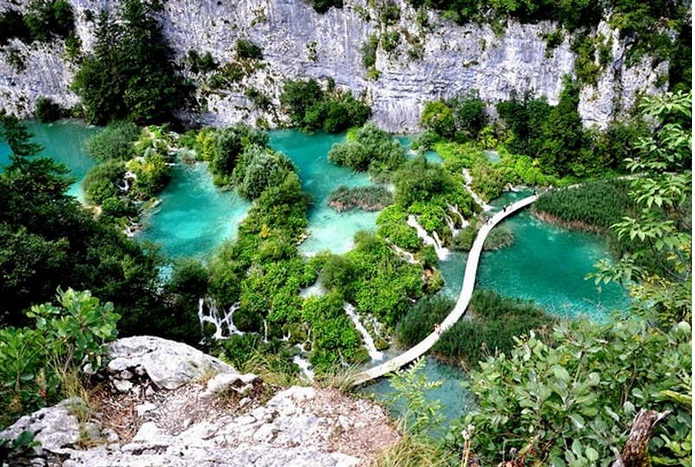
431 58
229 420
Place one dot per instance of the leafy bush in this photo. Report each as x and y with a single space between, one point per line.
335 340
46 110
572 401
65 337
259 169
461 118
369 148
247 49
48 19
369 49
322 6
226 146
420 181
115 142
311 108
102 182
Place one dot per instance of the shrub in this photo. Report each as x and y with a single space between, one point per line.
66 337
370 148
46 110
311 108
115 142
247 49
322 6
102 181
259 169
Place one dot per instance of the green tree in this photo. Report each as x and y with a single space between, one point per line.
572 402
131 74
228 145
49 240
658 269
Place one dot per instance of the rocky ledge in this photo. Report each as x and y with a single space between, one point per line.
167 404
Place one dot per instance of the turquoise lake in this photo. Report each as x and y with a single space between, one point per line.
64 141
545 264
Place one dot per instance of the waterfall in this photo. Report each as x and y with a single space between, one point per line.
468 179
406 255
265 331
304 366
455 210
221 323
374 354
452 226
442 253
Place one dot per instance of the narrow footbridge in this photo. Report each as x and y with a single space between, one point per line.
461 304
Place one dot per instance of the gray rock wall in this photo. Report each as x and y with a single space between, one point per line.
297 42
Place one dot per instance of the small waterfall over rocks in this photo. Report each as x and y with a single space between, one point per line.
442 252
374 354
468 179
223 322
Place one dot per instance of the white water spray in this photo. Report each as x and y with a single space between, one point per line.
374 354
224 323
304 366
468 179
442 253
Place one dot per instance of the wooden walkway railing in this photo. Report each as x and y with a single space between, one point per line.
461 304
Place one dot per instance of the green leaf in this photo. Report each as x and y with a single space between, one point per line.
591 454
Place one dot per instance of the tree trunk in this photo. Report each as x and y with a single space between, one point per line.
635 452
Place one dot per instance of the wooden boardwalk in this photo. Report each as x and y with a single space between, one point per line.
461 304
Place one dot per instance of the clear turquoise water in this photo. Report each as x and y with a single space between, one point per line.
194 216
454 399
330 230
64 141
545 264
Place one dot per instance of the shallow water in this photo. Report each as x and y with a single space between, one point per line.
330 230
454 399
194 216
64 141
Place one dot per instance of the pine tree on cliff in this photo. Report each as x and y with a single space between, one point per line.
130 75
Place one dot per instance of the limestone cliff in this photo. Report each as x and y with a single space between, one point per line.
429 58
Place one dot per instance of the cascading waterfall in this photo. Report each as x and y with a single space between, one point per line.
304 366
455 210
406 255
468 179
126 181
374 354
221 323
265 331
442 253
452 226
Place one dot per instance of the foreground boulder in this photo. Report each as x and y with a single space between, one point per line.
168 404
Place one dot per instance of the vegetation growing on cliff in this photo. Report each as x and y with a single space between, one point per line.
146 88
44 21
312 108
